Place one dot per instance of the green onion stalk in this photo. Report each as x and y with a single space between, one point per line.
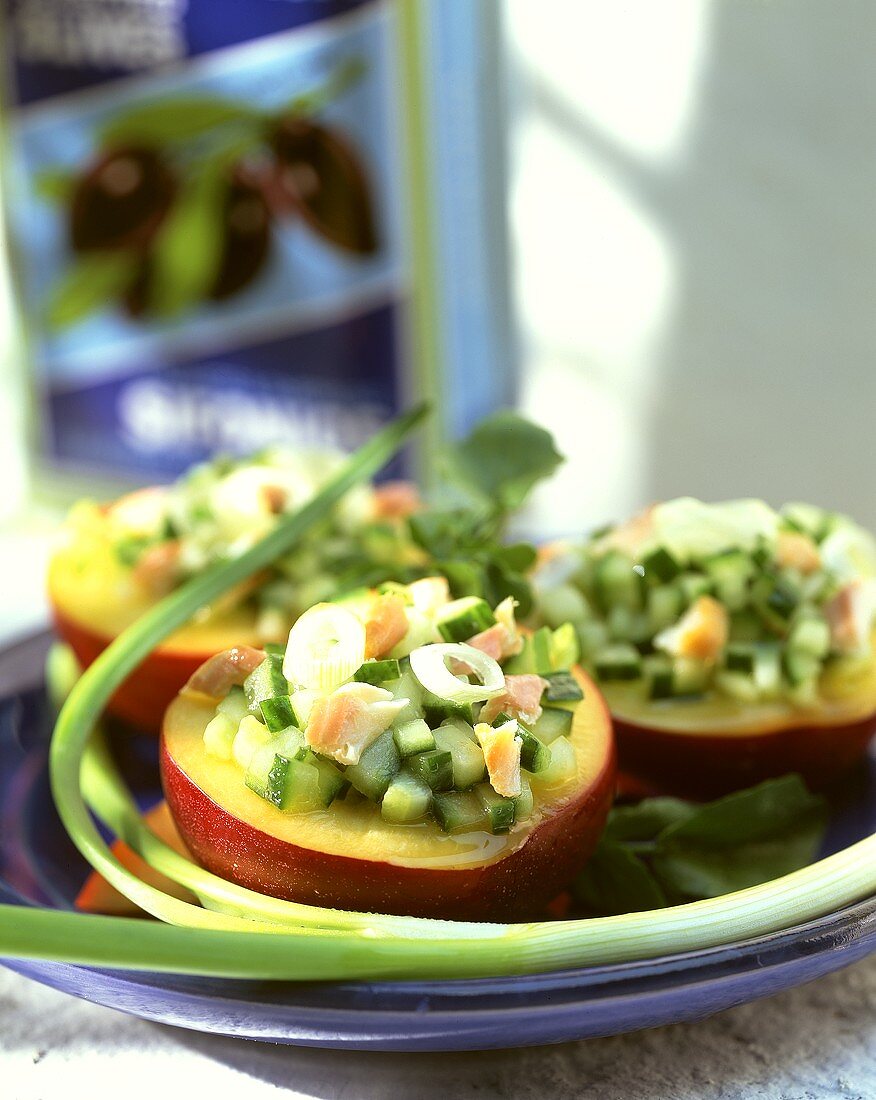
237 933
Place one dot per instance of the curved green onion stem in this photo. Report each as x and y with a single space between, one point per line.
496 950
91 693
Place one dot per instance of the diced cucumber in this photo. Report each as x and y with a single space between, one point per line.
739 657
378 672
768 670
378 766
274 649
808 519
745 626
658 674
625 625
278 713
536 655
535 755
264 682
562 688
592 636
499 810
562 764
524 803
665 605
258 769
407 686
730 573
467 755
458 812
234 705
618 662
775 599
554 722
737 685
563 603
251 735
692 586
219 736
689 677
407 799
800 667
434 768
565 647
462 619
810 635
615 582
437 710
291 784
660 566
413 737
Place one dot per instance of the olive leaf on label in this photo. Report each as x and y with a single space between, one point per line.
682 851
174 119
89 284
188 248
503 458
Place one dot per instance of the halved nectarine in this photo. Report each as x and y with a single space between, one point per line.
347 857
703 748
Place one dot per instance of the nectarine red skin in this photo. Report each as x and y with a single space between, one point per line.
150 689
514 887
707 765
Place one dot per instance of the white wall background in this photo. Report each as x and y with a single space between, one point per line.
694 218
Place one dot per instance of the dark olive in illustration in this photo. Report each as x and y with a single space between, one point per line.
120 200
246 229
319 175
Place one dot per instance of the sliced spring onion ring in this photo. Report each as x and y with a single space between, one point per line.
326 646
429 665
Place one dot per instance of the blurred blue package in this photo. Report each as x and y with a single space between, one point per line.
221 213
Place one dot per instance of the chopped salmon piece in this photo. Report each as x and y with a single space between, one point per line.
274 498
502 639
520 699
98 896
396 499
157 569
850 614
386 625
701 632
798 551
342 725
222 671
502 756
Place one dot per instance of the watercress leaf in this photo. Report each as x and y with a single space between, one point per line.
519 556
747 838
502 582
615 881
647 819
179 118
442 533
503 458
89 284
465 578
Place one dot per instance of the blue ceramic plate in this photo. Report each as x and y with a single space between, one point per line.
40 866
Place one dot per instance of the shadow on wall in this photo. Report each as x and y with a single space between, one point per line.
761 380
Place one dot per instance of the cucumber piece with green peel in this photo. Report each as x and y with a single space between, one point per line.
303 785
775 598
664 606
458 811
462 619
434 768
265 682
810 634
690 677
378 672
563 603
378 765
616 583
692 586
562 765
562 687
618 662
500 811
413 737
535 755
737 685
234 705
660 565
467 757
657 671
740 657
554 722
407 799
407 686
565 647
800 667
278 713
524 803
219 736
730 573
437 710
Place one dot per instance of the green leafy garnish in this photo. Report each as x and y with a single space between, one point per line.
665 849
